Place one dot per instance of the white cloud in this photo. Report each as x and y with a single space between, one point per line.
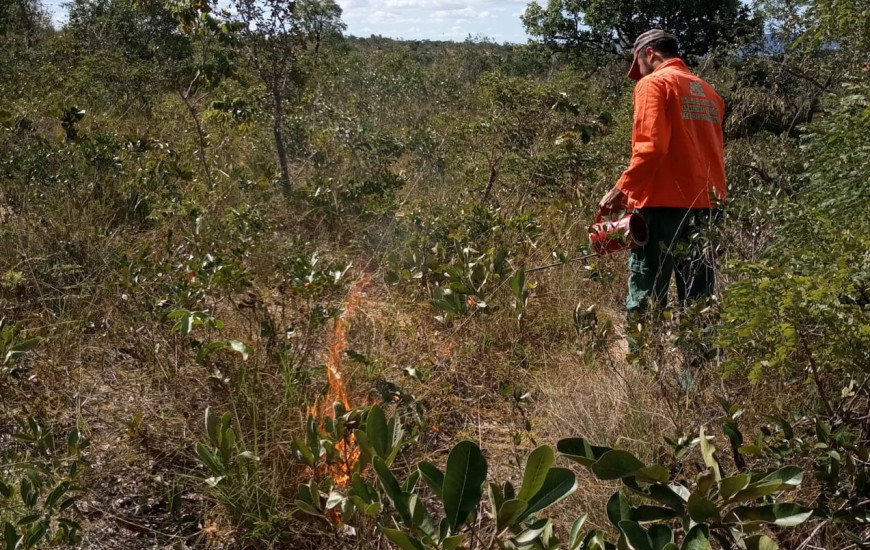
435 19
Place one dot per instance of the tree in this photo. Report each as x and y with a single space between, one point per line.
319 20
23 19
139 30
277 33
612 25
178 44
212 41
844 23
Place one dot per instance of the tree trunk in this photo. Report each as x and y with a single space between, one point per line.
185 97
286 184
493 178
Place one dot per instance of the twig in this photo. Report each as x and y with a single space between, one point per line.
815 532
814 369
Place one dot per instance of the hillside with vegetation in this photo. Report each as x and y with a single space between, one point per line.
265 285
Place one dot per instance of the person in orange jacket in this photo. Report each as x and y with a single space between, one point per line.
676 177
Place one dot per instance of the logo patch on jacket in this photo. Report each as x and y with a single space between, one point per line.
696 89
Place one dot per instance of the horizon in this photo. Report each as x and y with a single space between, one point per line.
435 20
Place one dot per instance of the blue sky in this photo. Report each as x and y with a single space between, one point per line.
419 19
436 19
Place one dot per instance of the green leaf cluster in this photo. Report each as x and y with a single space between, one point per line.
731 510
40 487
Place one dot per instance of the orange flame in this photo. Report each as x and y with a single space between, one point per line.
347 448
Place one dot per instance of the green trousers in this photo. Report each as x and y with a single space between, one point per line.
679 244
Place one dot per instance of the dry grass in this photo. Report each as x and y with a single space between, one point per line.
111 365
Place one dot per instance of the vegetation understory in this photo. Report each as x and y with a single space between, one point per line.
232 308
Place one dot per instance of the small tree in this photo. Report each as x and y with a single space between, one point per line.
210 63
23 18
277 34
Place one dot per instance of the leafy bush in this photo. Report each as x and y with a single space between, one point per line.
729 510
39 487
14 346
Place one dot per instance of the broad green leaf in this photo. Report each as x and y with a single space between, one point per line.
208 458
36 534
698 538
708 451
667 496
393 490
420 516
463 481
576 537
454 542
618 508
595 540
335 499
411 482
538 464
307 508
367 450
790 476
376 430
184 324
757 490
647 514
21 348
226 420
705 482
761 542
402 540
347 508
228 443
579 450
653 474
517 283
361 488
616 465
509 512
635 535
212 426
395 431
28 520
532 532
56 494
730 486
508 491
661 536
371 509
304 452
558 484
700 508
207 350
496 497
750 450
433 477
784 514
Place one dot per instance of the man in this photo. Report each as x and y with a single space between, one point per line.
676 175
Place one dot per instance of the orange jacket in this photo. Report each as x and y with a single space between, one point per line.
677 145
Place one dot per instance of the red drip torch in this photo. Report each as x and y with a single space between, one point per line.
610 236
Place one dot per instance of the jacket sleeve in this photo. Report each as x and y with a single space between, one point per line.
650 138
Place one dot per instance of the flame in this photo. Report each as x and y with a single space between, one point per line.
447 350
348 450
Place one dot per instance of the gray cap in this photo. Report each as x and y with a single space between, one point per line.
643 40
